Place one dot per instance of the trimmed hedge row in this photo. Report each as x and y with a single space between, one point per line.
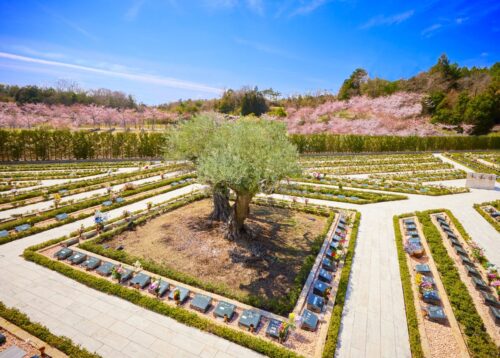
112 180
478 341
52 174
485 215
63 344
178 313
351 143
281 305
336 317
411 313
471 163
317 192
378 184
423 176
83 205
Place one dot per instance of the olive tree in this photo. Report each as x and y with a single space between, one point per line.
248 156
189 141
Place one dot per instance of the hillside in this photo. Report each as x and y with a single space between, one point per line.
446 99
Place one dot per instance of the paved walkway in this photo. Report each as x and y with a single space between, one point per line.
106 324
44 205
374 322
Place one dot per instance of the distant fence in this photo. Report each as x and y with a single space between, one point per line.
47 145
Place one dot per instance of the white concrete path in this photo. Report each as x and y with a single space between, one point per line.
374 321
50 182
373 325
44 205
108 325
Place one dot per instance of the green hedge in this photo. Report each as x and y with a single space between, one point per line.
477 339
363 143
60 144
379 184
319 192
89 184
178 313
83 205
485 215
280 305
63 344
411 313
336 318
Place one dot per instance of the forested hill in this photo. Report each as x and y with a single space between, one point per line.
450 94
66 93
446 99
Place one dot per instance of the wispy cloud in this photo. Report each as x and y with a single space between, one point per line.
134 10
73 25
139 77
256 6
308 6
262 47
428 31
383 20
32 52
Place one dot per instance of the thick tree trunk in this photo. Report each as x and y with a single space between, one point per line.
222 209
236 224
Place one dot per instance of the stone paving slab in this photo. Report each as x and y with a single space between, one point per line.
373 323
99 322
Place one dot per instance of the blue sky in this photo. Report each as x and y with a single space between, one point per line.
163 50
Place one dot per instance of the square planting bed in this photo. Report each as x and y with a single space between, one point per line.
325 276
320 288
422 268
250 320
436 313
201 302
159 288
183 294
309 321
495 314
480 284
315 303
273 328
489 299
328 265
105 269
63 254
77 258
224 310
140 280
172 241
91 263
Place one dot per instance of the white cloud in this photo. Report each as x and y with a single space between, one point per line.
428 31
256 6
71 24
133 11
262 47
308 7
383 20
32 52
144 78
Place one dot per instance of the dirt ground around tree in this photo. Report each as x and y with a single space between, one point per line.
187 241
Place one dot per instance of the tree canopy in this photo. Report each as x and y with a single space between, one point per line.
248 156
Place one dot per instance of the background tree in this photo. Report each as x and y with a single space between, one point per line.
352 86
190 140
253 102
248 156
